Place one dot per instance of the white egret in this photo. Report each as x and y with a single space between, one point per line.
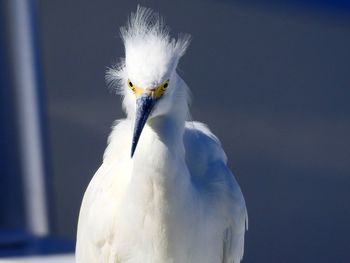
172 198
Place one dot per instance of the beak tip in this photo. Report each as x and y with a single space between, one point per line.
133 148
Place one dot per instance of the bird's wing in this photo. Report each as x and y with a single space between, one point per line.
86 249
233 239
202 146
109 183
206 161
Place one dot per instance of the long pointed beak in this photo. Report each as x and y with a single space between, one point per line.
144 106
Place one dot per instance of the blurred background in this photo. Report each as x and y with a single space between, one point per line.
281 75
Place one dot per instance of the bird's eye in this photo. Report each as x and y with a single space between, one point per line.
165 85
161 89
132 87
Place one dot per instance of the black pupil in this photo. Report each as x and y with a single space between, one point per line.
165 85
130 84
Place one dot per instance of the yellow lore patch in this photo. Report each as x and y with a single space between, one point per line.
155 92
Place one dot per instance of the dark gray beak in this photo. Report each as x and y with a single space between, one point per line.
144 106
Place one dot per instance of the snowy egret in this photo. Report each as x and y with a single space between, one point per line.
163 192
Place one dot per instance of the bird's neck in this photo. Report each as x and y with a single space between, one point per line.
161 143
158 190
169 132
159 159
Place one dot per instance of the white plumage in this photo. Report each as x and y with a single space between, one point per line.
174 200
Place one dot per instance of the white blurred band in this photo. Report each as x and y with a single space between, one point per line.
21 41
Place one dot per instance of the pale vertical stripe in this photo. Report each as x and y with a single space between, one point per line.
28 115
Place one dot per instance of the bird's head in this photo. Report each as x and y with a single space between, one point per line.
147 76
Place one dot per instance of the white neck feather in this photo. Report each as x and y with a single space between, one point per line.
160 151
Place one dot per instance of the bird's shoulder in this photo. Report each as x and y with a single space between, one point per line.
202 148
207 164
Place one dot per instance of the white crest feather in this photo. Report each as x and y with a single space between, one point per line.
147 31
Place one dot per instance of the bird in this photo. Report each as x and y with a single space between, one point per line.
164 192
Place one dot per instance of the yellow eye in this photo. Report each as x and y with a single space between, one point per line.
165 85
161 89
131 86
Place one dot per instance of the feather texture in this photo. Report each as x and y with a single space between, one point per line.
175 201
